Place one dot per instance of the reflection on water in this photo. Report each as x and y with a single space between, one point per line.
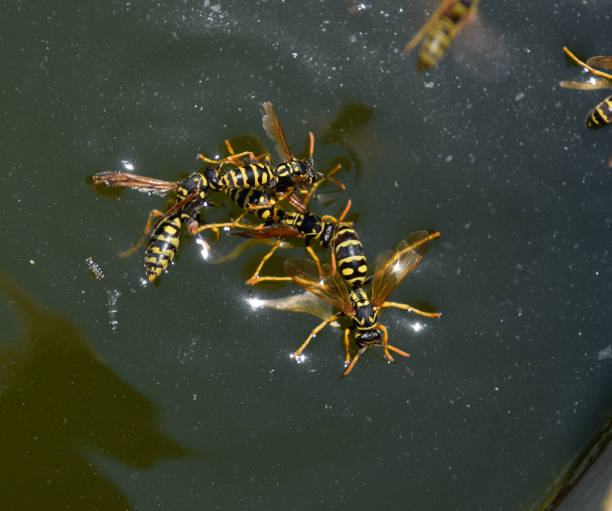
58 399
348 130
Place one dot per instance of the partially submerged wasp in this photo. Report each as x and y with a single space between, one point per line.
284 178
601 115
437 34
347 252
363 311
162 237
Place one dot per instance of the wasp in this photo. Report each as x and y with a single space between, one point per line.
162 237
348 255
437 34
255 174
290 174
362 310
601 115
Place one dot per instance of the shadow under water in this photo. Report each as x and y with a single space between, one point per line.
57 402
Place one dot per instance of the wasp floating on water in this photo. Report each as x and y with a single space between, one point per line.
283 178
346 248
437 34
355 304
162 236
601 115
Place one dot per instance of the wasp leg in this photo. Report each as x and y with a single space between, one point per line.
224 225
315 258
347 355
230 150
229 159
255 278
407 307
326 177
387 346
154 213
596 72
314 332
354 361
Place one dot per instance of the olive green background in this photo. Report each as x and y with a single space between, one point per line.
180 396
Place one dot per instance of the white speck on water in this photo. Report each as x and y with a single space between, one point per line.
605 354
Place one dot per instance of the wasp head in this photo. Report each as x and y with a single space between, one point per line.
306 173
368 338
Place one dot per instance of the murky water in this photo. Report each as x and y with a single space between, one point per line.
180 395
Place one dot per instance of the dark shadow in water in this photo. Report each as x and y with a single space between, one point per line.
57 401
347 130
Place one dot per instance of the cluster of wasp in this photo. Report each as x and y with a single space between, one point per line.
277 197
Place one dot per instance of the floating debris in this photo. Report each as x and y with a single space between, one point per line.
94 268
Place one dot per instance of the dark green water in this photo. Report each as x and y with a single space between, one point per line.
180 396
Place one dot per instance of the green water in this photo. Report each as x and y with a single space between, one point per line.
180 396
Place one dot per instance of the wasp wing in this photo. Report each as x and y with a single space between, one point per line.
328 285
444 6
393 266
602 61
303 302
273 129
268 232
134 181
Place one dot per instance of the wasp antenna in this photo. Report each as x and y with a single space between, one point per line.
354 361
311 146
397 350
346 210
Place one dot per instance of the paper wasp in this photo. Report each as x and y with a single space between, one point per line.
437 34
363 311
601 115
162 238
346 248
284 177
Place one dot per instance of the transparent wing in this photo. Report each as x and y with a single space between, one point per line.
602 61
273 129
393 266
444 6
134 181
327 286
303 302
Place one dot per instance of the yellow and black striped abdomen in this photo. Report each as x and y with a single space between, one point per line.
601 115
253 175
161 246
258 202
350 257
439 38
